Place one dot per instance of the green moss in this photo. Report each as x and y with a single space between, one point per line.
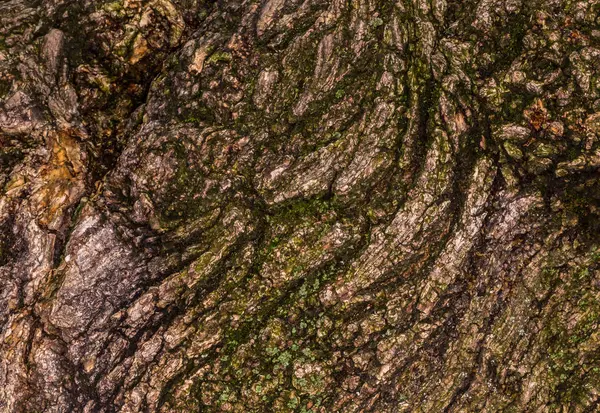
218 57
297 210
376 22
284 359
571 366
513 150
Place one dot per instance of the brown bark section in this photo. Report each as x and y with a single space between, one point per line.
299 206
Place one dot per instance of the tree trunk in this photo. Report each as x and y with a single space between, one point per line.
299 206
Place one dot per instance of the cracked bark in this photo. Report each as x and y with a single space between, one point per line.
299 206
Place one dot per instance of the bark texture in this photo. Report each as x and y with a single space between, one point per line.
299 206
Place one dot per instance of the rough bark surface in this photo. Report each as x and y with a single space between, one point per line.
299 206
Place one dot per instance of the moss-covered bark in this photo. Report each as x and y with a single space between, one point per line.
299 206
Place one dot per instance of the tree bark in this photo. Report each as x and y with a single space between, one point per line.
299 206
